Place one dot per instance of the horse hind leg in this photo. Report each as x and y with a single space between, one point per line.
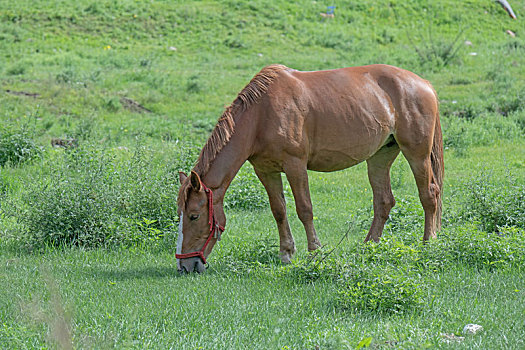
428 192
418 155
379 176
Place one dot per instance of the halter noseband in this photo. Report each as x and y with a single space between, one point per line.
215 229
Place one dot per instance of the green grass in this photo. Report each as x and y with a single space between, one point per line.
117 287
136 299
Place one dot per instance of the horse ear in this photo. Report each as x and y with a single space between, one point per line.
182 177
195 181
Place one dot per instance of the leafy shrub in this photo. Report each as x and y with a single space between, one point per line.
389 277
17 146
365 283
90 198
379 289
494 203
475 248
464 244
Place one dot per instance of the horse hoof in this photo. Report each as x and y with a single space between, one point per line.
286 258
314 246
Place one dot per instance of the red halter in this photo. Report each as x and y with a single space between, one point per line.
215 229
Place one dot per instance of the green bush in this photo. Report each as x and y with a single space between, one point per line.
465 244
92 198
379 290
389 277
494 203
474 248
17 146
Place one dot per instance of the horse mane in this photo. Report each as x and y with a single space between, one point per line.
225 126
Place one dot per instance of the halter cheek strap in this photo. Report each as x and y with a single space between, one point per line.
216 230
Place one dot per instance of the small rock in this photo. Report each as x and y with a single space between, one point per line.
468 42
172 48
472 328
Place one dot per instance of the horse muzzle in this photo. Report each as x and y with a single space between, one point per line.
193 264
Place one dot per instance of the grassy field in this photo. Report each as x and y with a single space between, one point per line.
87 234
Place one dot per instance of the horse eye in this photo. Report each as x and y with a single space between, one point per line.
194 217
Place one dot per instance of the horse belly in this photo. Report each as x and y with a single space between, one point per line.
345 144
327 161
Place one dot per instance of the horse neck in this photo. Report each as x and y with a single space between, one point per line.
223 168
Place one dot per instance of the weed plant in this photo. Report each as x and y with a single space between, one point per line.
95 198
380 290
437 53
494 204
17 145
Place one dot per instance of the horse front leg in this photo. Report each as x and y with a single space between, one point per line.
273 184
297 176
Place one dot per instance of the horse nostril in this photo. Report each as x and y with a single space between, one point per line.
190 265
199 267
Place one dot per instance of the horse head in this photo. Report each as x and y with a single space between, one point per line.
198 226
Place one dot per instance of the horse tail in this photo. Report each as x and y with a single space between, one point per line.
436 159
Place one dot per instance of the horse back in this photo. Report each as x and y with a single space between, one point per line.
336 118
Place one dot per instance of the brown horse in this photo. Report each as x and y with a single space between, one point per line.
290 121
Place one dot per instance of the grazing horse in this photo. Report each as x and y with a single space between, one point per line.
291 121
